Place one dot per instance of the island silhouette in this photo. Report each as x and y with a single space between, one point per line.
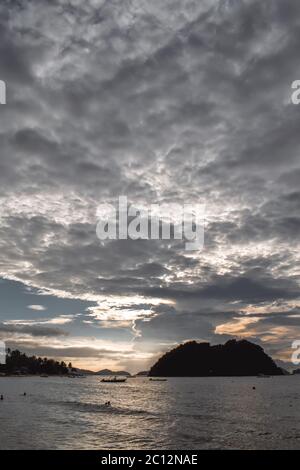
234 358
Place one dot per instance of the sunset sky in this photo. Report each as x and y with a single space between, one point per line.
164 101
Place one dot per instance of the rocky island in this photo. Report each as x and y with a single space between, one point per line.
234 358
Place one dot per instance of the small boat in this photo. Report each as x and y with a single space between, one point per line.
113 380
157 380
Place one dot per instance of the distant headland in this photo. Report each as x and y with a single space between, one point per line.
18 363
234 358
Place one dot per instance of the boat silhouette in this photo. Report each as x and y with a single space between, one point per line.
113 380
157 380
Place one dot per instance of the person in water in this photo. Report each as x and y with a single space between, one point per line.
1 398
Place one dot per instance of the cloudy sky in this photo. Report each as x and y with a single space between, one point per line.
163 101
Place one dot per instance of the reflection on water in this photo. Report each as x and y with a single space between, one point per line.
185 413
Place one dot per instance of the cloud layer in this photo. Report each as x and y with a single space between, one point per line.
175 101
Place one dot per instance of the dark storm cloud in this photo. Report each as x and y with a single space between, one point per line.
234 289
32 330
288 318
169 325
69 352
164 101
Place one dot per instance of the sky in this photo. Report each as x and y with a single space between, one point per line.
168 101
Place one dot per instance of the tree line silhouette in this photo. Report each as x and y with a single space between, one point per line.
17 362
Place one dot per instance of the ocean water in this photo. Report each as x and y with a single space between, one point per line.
182 413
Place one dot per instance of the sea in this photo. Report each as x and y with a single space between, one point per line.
178 414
